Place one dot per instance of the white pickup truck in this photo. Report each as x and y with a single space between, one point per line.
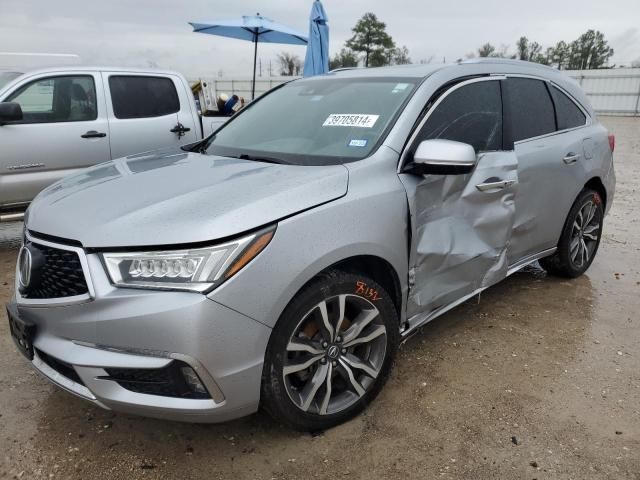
56 121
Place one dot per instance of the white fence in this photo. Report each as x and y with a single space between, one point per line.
611 91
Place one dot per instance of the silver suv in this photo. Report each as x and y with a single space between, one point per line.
281 261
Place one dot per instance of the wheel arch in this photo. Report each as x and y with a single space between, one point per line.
378 269
595 183
373 266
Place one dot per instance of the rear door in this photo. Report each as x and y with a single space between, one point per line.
549 151
64 128
461 224
148 112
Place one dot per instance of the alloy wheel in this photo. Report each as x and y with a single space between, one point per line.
585 234
334 354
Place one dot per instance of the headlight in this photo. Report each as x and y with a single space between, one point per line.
198 269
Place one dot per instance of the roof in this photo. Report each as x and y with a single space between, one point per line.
94 68
424 70
476 66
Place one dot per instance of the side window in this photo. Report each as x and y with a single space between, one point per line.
471 114
530 107
143 97
568 113
57 99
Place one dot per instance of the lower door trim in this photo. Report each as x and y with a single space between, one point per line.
422 319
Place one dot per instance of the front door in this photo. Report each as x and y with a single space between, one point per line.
461 224
64 128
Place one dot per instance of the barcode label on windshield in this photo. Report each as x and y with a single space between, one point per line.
350 120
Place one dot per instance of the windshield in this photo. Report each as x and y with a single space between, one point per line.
6 77
315 121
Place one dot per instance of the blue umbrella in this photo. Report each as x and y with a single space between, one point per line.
317 60
254 29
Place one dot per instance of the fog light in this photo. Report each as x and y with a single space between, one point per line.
192 380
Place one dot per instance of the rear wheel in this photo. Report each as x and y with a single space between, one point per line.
331 352
580 238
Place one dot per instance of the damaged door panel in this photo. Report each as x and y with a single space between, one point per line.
461 223
461 227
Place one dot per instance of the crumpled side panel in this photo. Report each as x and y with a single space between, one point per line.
460 234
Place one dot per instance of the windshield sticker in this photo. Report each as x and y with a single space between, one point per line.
356 142
400 87
350 120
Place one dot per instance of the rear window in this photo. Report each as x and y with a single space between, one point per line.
568 113
531 109
143 97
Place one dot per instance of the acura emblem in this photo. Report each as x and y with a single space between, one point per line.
333 351
24 267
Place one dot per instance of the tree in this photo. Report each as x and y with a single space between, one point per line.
589 51
371 39
400 56
486 50
523 48
345 59
558 55
290 64
530 51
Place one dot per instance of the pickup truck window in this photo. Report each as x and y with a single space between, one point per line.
57 99
143 96
316 121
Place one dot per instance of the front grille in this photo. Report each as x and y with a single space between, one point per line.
167 381
63 368
55 273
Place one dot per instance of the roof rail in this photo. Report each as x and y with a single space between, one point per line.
342 69
504 61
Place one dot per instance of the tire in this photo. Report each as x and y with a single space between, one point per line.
325 394
580 237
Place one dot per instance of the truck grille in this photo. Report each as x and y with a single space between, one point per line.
55 273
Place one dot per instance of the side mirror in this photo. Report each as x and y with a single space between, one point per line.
10 112
442 157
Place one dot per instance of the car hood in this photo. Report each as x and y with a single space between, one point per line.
177 197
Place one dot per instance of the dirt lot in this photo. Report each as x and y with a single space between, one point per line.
539 379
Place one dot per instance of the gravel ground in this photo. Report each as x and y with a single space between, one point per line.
537 379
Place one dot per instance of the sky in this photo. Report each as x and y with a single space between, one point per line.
155 33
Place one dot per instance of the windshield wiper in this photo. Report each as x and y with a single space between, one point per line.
261 158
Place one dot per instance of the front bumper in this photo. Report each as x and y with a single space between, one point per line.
144 329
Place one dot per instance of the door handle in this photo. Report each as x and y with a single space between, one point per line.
571 158
499 185
180 129
93 134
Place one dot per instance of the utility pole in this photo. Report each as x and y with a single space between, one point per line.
261 67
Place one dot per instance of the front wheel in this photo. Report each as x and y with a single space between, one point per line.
580 237
331 351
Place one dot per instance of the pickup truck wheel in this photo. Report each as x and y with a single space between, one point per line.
330 352
580 238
